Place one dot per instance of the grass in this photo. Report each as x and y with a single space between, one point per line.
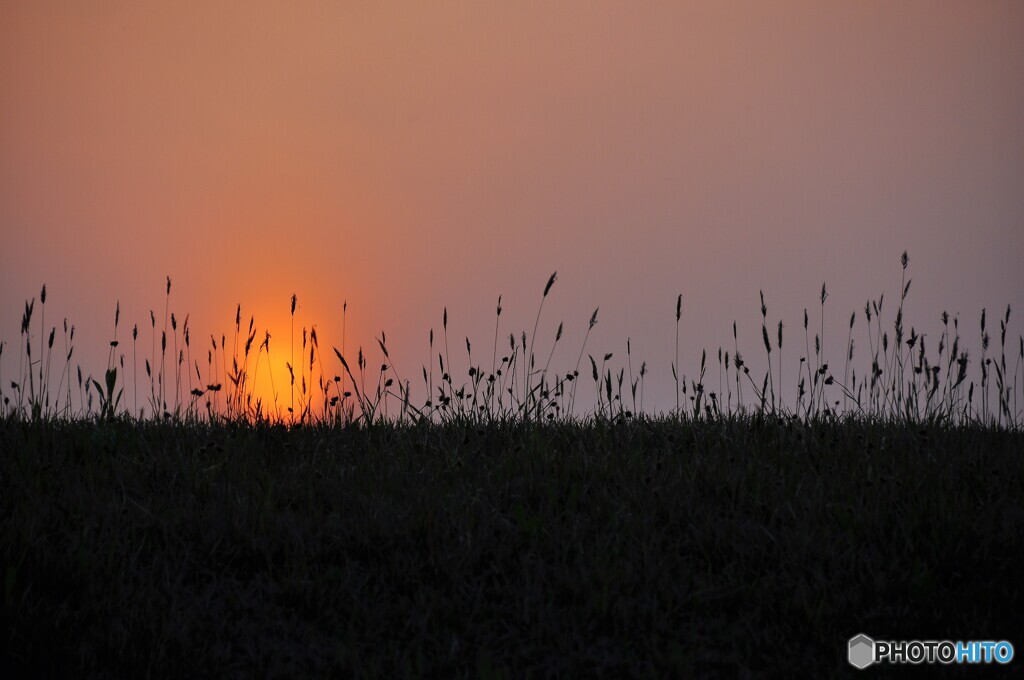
487 528
733 547
903 381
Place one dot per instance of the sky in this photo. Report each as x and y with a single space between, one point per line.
408 157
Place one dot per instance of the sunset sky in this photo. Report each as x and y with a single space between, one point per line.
410 156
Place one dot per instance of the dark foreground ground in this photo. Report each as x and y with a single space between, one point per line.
740 548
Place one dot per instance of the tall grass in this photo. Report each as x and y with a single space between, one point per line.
903 381
582 540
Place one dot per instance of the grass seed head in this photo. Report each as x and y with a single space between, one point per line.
551 282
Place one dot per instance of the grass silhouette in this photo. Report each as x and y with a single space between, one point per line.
903 383
488 527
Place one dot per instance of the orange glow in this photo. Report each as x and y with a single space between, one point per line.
264 381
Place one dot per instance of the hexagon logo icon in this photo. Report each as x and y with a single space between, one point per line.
861 651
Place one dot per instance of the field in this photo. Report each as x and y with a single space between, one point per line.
745 546
491 529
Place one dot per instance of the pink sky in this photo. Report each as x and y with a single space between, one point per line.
408 156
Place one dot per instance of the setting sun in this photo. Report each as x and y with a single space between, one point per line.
271 365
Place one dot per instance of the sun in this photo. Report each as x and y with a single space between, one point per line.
272 365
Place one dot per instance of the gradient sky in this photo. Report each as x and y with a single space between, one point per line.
408 156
